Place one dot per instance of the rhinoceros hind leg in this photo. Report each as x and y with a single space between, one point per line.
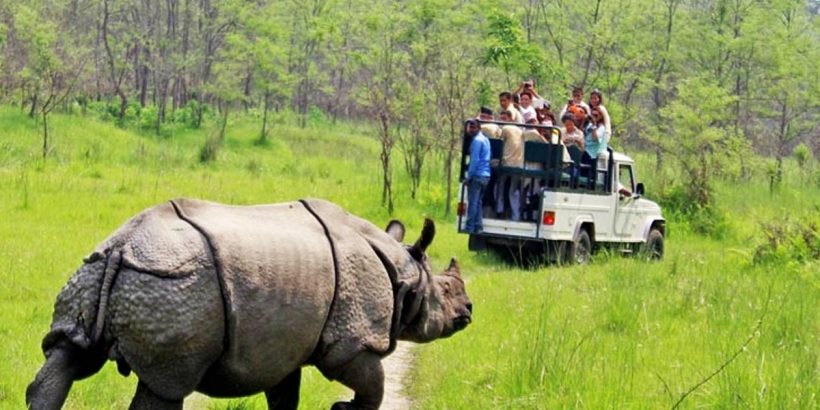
145 399
285 395
65 364
365 376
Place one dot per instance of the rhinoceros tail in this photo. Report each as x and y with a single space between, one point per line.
80 310
112 266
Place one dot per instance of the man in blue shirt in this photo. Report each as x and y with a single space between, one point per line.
478 175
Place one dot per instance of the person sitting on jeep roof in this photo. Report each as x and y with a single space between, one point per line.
577 100
527 111
489 130
505 101
596 100
571 135
595 140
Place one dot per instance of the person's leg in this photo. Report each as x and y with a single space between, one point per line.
473 204
499 195
515 198
478 224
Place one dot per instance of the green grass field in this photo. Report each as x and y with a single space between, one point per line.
619 333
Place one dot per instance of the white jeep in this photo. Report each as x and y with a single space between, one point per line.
569 217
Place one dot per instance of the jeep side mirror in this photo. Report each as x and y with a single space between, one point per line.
639 189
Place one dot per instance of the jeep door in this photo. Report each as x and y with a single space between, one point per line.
627 214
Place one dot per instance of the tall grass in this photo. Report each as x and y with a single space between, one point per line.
619 333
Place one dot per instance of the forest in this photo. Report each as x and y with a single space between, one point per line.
709 82
108 107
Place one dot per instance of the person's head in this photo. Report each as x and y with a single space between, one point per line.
597 117
596 98
472 128
527 85
485 114
526 99
516 101
580 115
546 106
569 121
506 116
504 99
578 94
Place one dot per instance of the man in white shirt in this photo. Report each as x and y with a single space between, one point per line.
527 110
577 99
505 100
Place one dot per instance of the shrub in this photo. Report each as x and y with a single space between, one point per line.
704 220
788 240
148 117
210 149
317 117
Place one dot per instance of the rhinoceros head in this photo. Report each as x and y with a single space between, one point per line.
433 306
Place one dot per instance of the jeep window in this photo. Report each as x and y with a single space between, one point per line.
625 177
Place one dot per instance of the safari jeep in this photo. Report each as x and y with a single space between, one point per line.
568 216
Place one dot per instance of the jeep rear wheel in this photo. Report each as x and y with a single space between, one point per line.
653 248
580 250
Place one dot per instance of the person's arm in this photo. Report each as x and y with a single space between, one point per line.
607 122
475 157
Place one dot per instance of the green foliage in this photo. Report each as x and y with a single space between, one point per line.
148 117
693 131
787 240
616 333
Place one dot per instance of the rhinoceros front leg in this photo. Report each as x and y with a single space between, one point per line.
145 399
285 396
365 376
65 364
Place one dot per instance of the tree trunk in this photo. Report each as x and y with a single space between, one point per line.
263 136
224 123
45 134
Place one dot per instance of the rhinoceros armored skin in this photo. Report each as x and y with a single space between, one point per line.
234 300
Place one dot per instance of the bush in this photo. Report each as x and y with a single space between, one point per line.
317 117
187 115
704 220
788 240
148 117
210 149
102 110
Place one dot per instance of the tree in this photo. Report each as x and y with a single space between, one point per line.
53 65
382 63
694 133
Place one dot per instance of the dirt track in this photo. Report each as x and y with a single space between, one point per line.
396 369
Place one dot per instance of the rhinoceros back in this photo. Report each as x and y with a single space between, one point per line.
278 282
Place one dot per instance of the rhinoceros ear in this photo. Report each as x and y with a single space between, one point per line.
427 235
396 230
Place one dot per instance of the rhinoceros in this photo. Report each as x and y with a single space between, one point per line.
234 300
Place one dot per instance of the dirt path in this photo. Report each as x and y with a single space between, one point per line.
396 371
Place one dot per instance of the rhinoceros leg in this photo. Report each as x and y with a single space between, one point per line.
65 364
285 396
145 399
365 376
